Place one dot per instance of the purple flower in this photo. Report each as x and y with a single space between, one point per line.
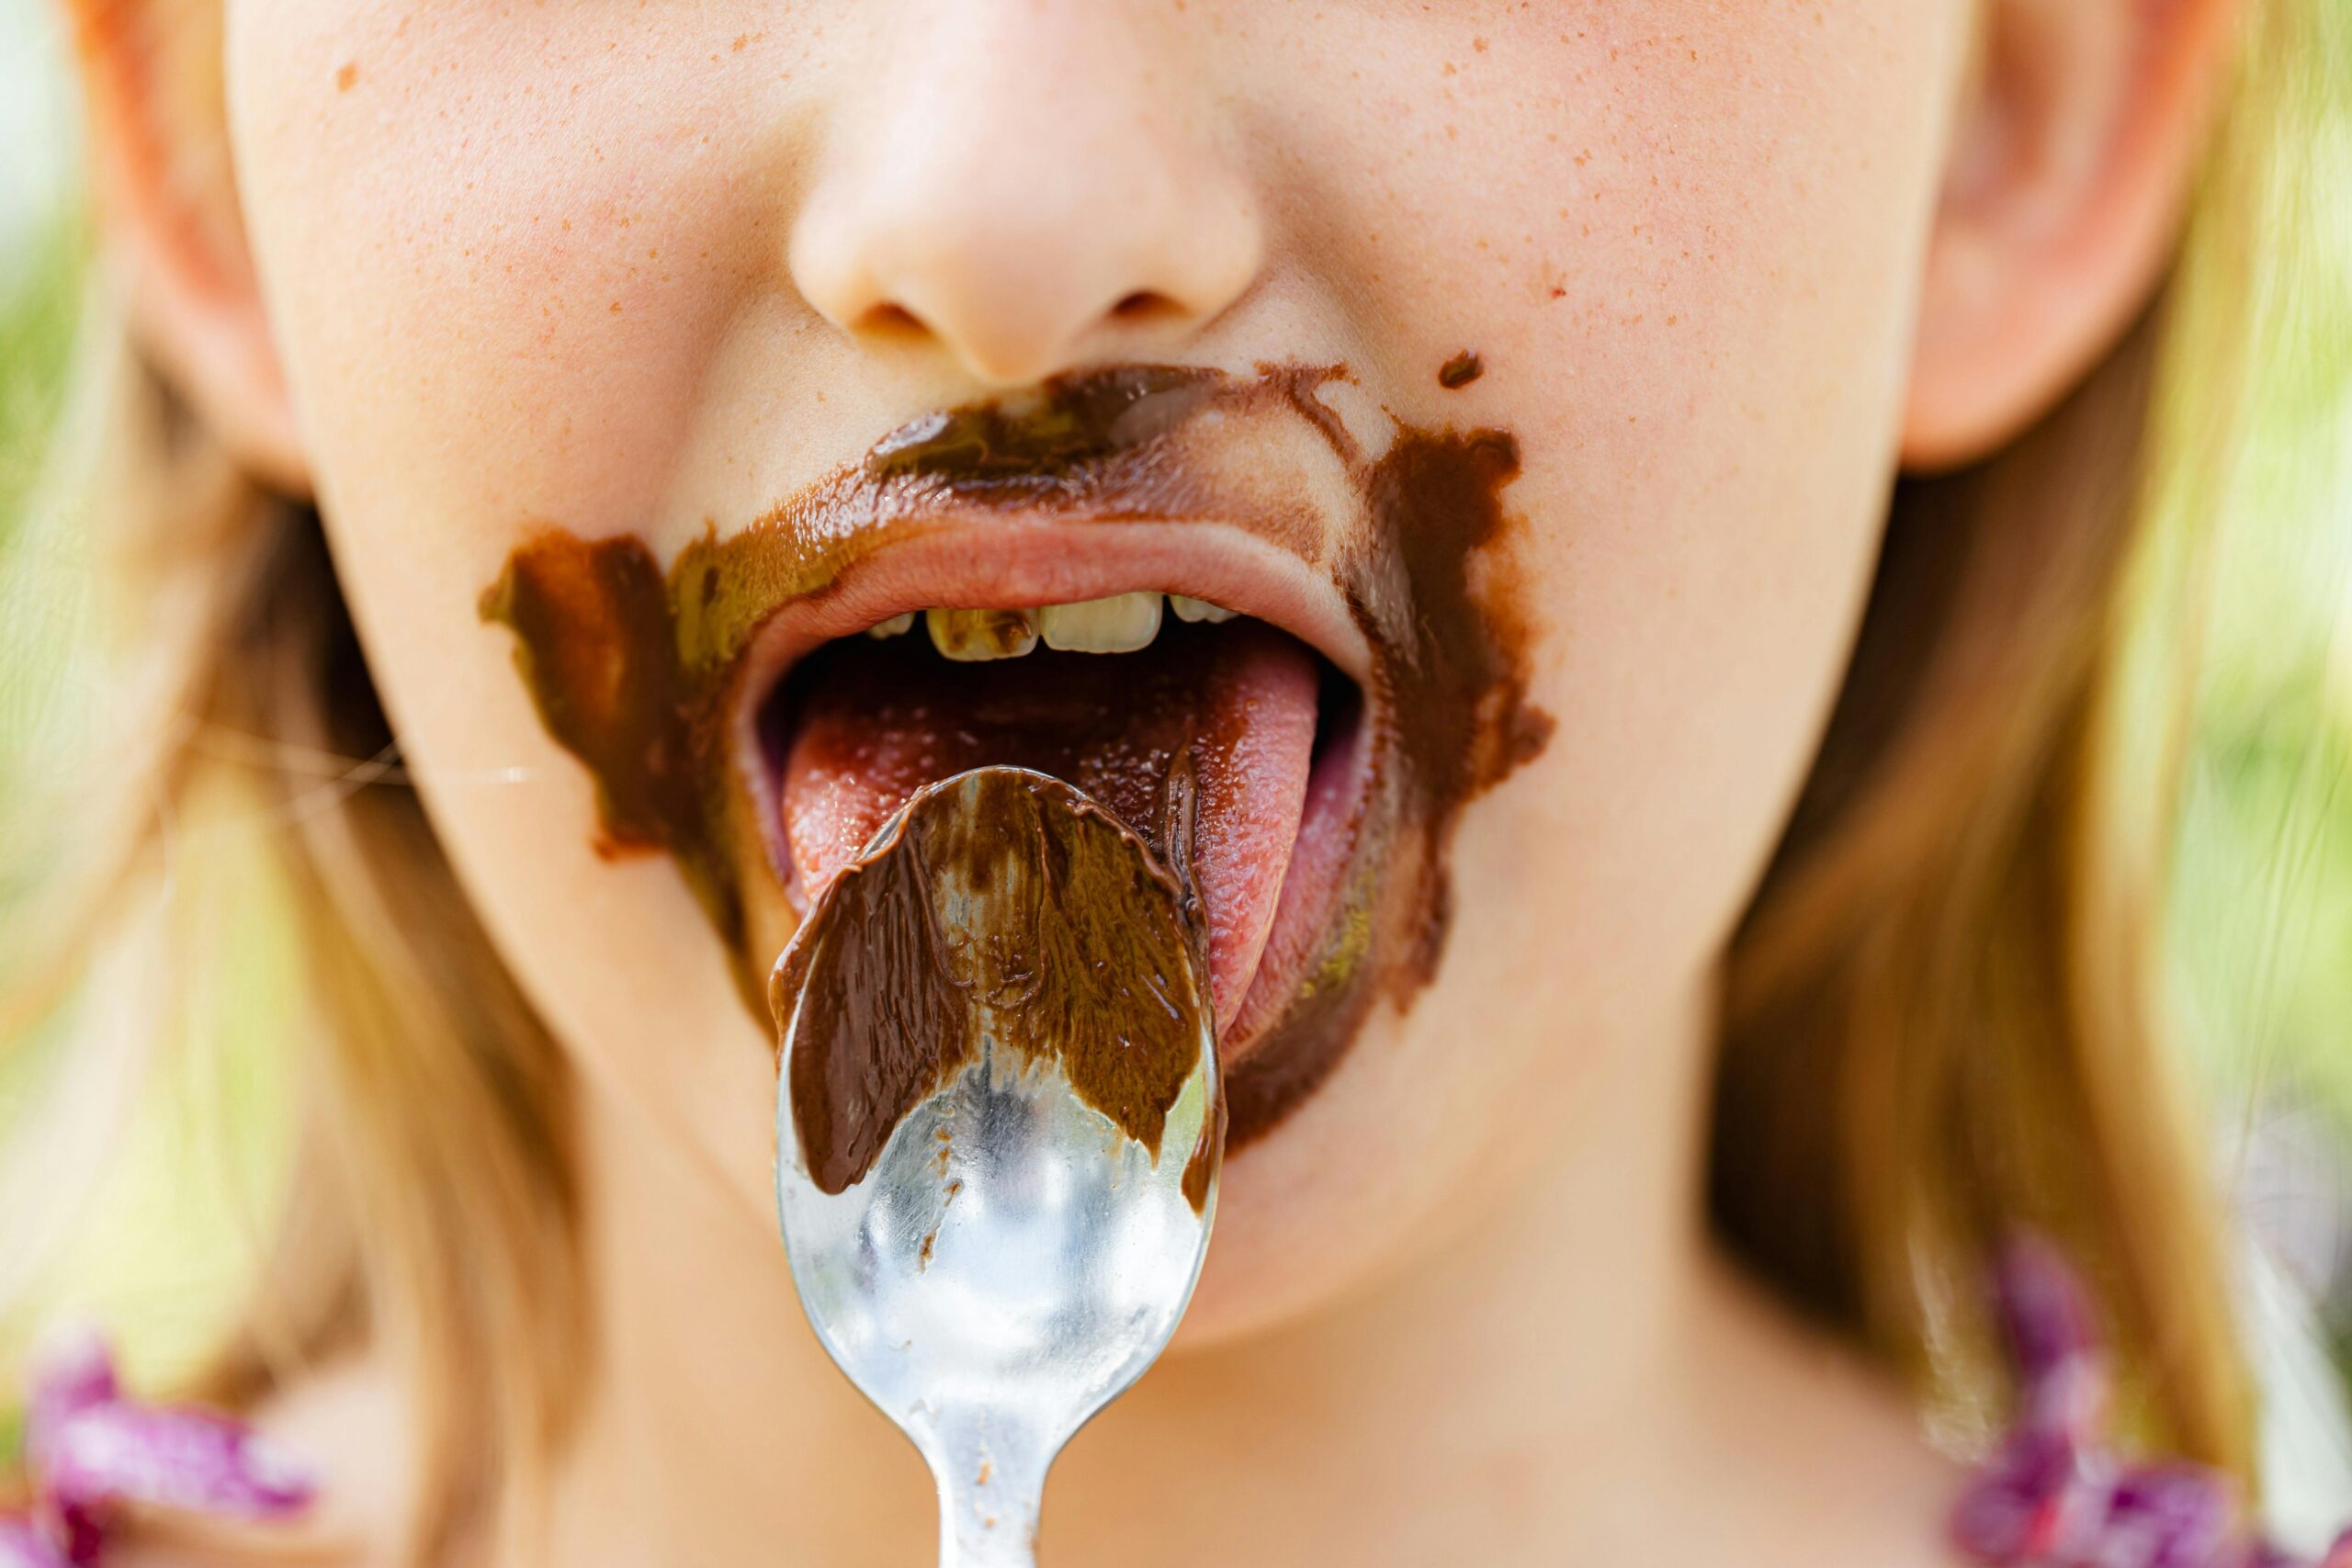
2044 1313
2053 1495
2168 1516
2047 1321
75 1374
22 1546
2024 1503
2039 1503
91 1452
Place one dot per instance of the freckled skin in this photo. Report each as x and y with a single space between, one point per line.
599 270
648 277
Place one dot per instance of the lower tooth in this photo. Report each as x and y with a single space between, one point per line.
1198 609
972 636
1120 624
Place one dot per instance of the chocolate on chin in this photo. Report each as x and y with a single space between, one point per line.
1003 914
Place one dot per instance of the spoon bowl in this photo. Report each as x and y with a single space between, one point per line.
1022 1246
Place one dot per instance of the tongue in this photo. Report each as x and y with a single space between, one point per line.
866 725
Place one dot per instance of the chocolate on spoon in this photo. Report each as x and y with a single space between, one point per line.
998 1131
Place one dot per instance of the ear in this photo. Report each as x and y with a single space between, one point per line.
2069 164
158 150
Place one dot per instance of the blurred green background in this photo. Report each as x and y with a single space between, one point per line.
2261 916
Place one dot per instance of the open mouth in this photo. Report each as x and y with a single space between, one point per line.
1230 744
1285 660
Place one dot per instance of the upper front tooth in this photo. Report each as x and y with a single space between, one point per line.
1120 624
894 627
974 635
1197 609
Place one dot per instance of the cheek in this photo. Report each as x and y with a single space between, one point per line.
1688 262
1692 293
1692 289
514 213
498 248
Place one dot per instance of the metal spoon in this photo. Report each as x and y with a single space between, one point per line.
997 1131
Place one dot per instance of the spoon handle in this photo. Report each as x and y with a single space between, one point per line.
1005 1546
990 1494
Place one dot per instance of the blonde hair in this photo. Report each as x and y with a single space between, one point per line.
1944 1019
432 1209
1938 1024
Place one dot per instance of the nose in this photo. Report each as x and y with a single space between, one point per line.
1028 185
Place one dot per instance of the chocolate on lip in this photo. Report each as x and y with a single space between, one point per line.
646 676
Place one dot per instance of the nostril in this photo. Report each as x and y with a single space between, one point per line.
893 321
1145 305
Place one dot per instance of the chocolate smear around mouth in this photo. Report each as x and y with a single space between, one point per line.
638 673
1461 370
1001 910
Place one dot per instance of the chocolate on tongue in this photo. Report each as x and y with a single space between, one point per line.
1005 907
872 723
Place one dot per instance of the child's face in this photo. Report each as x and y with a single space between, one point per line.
545 273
